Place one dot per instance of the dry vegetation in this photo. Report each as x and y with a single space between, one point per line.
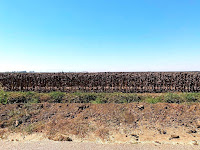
126 82
88 112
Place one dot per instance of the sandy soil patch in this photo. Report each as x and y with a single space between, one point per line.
52 145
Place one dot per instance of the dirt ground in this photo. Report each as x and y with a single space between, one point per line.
133 123
53 145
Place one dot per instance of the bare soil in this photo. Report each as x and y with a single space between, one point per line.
134 123
52 145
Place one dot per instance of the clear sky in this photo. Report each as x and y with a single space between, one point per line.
99 35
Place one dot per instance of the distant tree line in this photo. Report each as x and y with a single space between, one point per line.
127 82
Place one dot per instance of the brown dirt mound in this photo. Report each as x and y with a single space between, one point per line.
107 123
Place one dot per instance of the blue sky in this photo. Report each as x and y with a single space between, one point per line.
99 35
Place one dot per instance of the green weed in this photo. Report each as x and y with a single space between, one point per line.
57 97
3 97
173 98
153 100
